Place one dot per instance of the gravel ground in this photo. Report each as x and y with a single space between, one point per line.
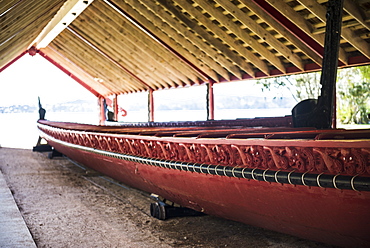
64 205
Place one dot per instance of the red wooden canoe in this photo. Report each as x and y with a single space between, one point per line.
310 183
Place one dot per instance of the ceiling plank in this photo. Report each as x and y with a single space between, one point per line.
193 38
18 37
320 12
120 51
16 21
6 6
352 8
226 38
132 40
262 33
194 26
101 68
242 34
119 54
176 41
261 13
153 52
303 24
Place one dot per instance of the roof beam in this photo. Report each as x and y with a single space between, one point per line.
225 37
320 12
247 39
70 10
110 59
261 32
69 73
207 36
157 58
76 70
282 30
141 20
12 61
302 24
193 38
356 12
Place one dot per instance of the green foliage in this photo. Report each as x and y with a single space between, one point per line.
353 91
354 95
301 86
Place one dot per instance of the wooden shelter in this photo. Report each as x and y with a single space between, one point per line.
296 174
114 47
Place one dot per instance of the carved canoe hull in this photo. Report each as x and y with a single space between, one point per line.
315 188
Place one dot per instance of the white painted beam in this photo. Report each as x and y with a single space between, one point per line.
70 10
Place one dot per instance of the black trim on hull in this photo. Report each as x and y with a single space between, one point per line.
341 182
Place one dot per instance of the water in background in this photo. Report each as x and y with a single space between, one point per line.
19 130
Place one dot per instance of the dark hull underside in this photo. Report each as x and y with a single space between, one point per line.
310 183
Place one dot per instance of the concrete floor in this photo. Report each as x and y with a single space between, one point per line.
13 229
63 205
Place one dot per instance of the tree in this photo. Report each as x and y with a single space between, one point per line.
354 95
353 91
301 86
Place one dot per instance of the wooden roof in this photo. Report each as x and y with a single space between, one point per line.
123 46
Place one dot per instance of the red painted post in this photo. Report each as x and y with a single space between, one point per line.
210 101
151 106
115 107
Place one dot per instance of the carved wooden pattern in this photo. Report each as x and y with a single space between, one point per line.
331 160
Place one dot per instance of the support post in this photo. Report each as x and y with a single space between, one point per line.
115 107
326 101
103 107
210 101
151 105
319 113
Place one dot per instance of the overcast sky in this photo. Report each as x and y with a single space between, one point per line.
30 77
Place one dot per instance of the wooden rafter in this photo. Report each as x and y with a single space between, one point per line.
193 38
161 38
303 24
98 38
168 35
13 32
73 68
261 32
194 25
352 8
266 17
320 12
223 36
108 73
243 36
156 55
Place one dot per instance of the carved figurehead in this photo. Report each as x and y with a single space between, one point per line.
42 111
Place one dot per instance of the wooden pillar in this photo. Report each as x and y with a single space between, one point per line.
326 102
115 107
210 101
150 106
102 106
320 113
